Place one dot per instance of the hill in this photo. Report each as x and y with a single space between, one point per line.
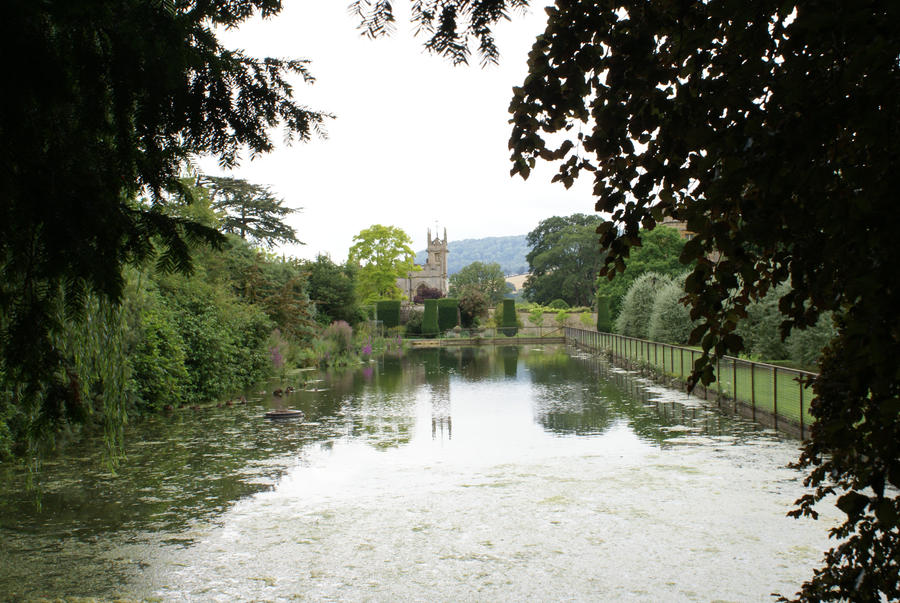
509 252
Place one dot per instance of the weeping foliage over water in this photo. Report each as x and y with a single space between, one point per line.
504 473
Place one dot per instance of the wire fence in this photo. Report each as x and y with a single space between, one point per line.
778 394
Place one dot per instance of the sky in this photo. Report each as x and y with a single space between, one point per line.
415 141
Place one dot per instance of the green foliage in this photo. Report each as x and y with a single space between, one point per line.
473 307
604 319
430 324
536 316
587 321
332 288
251 210
383 255
414 322
634 319
340 334
670 320
564 260
761 328
559 304
388 312
113 100
509 252
561 317
509 321
805 346
448 313
658 252
486 278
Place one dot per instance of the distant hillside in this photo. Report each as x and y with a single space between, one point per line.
509 252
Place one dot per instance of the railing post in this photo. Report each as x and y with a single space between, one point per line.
681 367
775 395
800 383
734 382
753 388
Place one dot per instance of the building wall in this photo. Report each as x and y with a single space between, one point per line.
434 270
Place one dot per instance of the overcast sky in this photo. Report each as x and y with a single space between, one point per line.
414 140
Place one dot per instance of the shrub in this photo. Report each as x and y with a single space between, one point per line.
670 320
509 320
424 292
634 319
473 306
389 313
341 335
561 318
604 321
536 316
586 320
430 318
760 330
558 304
414 322
448 313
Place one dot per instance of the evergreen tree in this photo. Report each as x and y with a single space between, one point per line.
251 211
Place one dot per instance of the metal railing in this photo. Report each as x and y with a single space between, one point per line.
778 393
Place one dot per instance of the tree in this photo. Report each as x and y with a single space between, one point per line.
659 251
479 276
638 305
332 288
251 210
383 254
564 260
112 100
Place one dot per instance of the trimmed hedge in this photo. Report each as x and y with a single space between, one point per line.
389 313
448 313
508 322
604 320
430 318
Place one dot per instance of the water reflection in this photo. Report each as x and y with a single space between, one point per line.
435 434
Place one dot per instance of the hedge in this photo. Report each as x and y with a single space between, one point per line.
448 313
389 313
508 322
604 321
430 319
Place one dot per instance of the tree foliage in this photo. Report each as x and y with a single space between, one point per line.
564 260
383 254
111 101
659 251
485 278
251 211
637 308
670 319
332 288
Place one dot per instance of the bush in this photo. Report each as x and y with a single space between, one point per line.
760 330
561 318
604 321
670 320
414 323
341 335
388 312
509 320
634 319
473 306
424 292
536 316
448 313
586 320
558 304
430 318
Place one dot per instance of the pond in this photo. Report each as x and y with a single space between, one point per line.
505 473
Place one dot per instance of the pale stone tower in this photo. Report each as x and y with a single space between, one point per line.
433 273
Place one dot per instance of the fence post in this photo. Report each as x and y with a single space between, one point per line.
734 382
800 383
775 395
753 388
681 367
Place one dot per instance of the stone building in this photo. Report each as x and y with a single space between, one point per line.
434 270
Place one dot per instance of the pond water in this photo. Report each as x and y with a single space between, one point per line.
506 473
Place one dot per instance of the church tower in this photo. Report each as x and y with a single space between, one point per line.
436 264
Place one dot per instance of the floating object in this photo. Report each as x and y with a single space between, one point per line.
284 413
278 392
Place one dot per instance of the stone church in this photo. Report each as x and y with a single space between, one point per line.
434 271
